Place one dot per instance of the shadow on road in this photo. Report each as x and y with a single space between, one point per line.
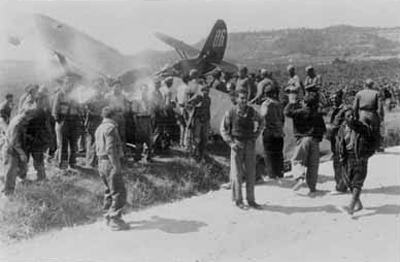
168 225
288 210
386 190
381 210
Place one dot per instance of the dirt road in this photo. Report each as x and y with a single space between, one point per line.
291 227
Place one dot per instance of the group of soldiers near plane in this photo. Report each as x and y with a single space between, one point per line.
49 126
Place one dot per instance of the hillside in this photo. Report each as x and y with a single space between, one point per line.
303 45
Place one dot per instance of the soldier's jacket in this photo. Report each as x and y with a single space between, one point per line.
266 85
307 121
202 107
5 111
369 100
356 138
63 106
294 84
108 141
313 84
272 111
16 135
241 125
39 131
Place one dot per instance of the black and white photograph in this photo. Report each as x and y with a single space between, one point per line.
200 131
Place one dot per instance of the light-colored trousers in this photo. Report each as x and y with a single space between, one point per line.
243 166
305 161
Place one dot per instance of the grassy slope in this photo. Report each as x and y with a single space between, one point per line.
76 197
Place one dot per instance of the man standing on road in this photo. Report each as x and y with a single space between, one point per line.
309 127
368 108
353 146
109 151
240 128
335 120
272 112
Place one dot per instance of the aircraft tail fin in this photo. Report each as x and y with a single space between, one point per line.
215 45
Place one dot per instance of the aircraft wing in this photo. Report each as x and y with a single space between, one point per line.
80 48
226 66
178 45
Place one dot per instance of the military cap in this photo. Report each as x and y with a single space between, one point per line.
264 72
108 112
29 88
308 68
290 67
193 72
369 82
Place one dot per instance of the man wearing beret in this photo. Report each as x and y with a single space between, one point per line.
308 128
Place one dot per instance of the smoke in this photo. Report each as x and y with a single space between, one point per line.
82 94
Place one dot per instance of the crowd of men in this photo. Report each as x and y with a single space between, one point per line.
110 124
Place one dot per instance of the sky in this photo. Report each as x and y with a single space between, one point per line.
128 26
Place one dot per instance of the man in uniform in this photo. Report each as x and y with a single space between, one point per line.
216 82
265 84
67 116
92 121
240 128
335 120
242 81
28 96
143 115
294 86
309 128
117 100
181 112
6 108
272 112
312 82
368 108
192 88
354 149
39 136
109 150
15 158
201 121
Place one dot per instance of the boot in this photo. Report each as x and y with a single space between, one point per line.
358 206
355 198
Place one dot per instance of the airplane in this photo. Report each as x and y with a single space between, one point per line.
204 60
77 50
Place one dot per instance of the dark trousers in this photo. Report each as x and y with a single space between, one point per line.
12 167
67 139
355 171
115 192
337 169
92 124
273 150
38 164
